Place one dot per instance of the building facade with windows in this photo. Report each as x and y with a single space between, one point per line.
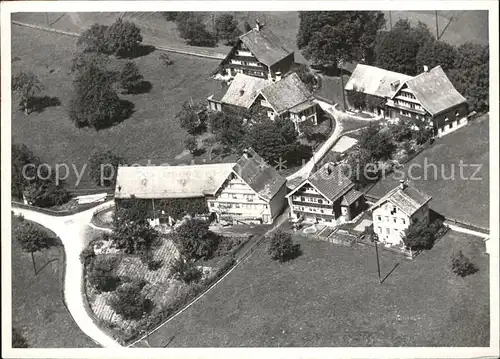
259 53
246 190
326 197
429 96
394 213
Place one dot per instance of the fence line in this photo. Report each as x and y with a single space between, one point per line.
157 47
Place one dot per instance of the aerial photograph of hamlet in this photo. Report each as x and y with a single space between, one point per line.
250 179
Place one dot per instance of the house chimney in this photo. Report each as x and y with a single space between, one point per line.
394 85
257 25
277 75
328 169
402 184
242 92
426 68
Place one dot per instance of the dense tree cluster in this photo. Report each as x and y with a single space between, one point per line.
122 38
101 273
193 116
192 28
18 339
185 270
328 37
104 167
226 28
420 235
34 181
237 129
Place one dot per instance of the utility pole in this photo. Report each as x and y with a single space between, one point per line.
343 92
374 238
437 26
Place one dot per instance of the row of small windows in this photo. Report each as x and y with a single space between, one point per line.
238 205
312 209
388 219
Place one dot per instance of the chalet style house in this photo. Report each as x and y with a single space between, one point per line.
429 96
259 53
326 197
246 190
286 97
394 212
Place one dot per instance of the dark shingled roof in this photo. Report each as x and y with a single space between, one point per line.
286 93
331 182
409 199
265 46
261 177
435 91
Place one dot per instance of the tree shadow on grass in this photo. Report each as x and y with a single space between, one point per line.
40 103
142 88
126 110
295 253
138 51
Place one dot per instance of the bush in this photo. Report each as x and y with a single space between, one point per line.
194 240
462 265
154 265
165 60
419 235
18 340
129 301
102 273
281 247
87 254
185 271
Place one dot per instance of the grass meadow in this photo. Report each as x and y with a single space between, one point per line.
151 132
464 199
330 296
37 306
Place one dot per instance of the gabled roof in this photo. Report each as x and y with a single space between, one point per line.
265 46
374 81
171 181
409 199
286 93
351 197
261 177
435 91
244 90
330 181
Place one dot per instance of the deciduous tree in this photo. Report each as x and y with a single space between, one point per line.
26 85
94 39
194 240
130 302
123 38
461 265
33 239
226 28
104 167
281 246
130 77
192 28
326 37
434 53
95 102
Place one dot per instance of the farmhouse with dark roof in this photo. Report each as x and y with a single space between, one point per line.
259 53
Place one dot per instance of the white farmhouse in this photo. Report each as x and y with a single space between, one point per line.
394 212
